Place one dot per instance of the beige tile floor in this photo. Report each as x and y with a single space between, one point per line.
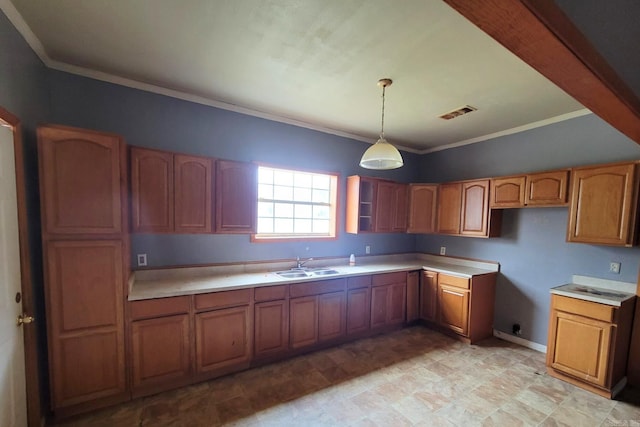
410 377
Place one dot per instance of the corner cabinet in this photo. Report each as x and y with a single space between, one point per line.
604 205
589 342
236 197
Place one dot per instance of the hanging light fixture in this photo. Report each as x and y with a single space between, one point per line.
382 155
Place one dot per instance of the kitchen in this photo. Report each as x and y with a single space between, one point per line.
530 237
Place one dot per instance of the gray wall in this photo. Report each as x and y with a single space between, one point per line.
532 251
156 121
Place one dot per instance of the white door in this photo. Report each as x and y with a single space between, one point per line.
13 405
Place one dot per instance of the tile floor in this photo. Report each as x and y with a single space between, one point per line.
414 376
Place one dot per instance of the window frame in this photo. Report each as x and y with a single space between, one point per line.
333 206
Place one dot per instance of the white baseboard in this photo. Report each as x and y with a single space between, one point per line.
520 341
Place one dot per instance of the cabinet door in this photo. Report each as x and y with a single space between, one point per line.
508 192
85 320
152 191
332 313
603 205
160 350
384 206
222 338
422 208
303 327
80 181
400 206
548 188
271 328
413 296
379 306
428 295
449 205
358 310
453 308
397 303
581 346
193 194
236 197
475 208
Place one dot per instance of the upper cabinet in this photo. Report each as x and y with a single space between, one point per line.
540 189
361 197
423 208
603 205
375 205
171 192
236 197
463 209
81 177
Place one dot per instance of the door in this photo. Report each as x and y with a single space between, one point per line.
271 333
303 328
475 208
14 280
236 197
152 191
422 208
193 194
449 205
222 338
453 308
332 313
358 310
384 206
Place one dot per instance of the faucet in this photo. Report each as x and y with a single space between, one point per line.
300 263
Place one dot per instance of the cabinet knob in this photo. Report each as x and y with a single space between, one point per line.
23 319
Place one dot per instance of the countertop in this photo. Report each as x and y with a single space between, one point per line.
161 283
602 291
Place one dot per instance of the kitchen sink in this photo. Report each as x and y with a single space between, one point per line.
300 273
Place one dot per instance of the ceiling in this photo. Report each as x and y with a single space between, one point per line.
313 63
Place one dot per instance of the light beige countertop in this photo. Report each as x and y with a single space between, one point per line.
169 282
602 291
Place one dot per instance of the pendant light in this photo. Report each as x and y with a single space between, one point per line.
382 155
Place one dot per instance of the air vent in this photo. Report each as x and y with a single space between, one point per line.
459 112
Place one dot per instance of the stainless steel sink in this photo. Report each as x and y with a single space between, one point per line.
297 273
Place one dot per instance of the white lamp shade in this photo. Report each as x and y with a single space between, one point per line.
381 155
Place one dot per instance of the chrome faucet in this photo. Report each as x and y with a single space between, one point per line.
300 263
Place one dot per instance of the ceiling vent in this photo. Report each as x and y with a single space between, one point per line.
459 112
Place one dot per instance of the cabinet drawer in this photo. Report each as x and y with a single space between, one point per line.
458 282
223 299
316 288
271 293
159 307
606 313
389 278
358 282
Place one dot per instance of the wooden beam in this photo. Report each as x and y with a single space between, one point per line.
540 34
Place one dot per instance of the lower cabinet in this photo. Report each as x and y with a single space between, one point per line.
388 299
161 351
453 308
223 339
588 343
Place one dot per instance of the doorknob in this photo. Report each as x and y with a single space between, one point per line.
24 319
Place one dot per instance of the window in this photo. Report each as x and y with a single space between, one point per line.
296 204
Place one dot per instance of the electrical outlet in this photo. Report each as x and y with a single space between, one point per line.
614 267
367 249
142 260
443 250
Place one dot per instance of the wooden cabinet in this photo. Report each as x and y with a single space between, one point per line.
375 205
449 208
508 192
475 208
271 320
603 205
463 306
223 339
170 192
161 352
193 210
422 208
318 312
413 296
358 304
539 189
547 188
152 197
589 342
388 299
428 295
85 320
236 197
81 174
